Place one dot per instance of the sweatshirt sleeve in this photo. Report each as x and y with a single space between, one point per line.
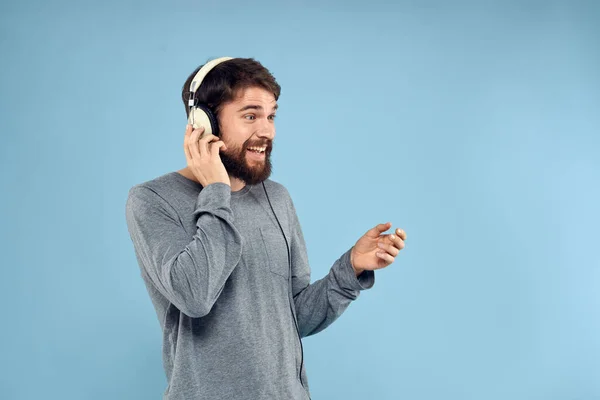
322 302
189 271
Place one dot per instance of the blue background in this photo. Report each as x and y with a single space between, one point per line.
475 126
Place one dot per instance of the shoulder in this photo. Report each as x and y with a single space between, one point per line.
150 193
159 184
277 189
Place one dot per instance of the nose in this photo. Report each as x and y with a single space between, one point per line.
266 130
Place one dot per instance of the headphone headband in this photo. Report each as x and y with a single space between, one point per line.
201 74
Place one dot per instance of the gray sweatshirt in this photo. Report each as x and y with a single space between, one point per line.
216 267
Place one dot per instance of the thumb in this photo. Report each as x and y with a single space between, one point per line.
378 229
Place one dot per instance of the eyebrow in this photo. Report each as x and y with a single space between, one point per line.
255 107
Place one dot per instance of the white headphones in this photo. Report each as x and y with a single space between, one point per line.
200 114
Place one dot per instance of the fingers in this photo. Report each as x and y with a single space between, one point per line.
378 229
385 256
192 141
392 250
396 240
401 233
195 146
214 148
204 141
186 150
392 243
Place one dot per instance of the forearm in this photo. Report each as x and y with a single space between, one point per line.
322 302
195 278
190 274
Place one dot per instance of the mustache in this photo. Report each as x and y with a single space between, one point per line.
268 144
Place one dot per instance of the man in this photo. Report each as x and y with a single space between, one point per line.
215 261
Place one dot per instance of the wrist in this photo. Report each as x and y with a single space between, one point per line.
357 271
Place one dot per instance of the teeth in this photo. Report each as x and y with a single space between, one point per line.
261 149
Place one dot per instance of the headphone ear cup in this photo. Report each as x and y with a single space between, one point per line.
201 115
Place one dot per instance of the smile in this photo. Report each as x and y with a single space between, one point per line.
256 154
257 149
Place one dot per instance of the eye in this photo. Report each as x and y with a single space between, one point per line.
272 117
249 117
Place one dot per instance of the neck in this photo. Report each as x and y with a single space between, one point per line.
236 184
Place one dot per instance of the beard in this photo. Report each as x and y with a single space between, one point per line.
237 166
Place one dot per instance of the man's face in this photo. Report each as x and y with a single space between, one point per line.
247 122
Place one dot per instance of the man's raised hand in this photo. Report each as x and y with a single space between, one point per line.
202 156
375 250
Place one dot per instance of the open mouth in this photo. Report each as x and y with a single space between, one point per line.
257 151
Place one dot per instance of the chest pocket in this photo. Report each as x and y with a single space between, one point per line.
276 250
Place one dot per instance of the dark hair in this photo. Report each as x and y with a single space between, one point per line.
223 83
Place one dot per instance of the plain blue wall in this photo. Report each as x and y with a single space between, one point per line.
474 126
